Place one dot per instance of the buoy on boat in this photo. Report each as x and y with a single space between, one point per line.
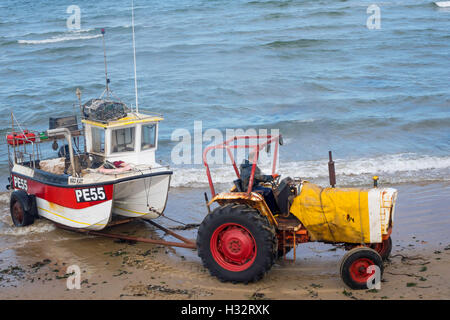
16 138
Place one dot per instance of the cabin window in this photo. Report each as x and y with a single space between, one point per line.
122 140
98 140
148 136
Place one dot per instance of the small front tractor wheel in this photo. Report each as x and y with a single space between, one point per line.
384 248
355 265
236 243
21 208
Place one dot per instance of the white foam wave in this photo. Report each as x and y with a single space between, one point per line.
60 39
7 227
39 226
82 30
443 4
304 120
398 168
389 164
4 197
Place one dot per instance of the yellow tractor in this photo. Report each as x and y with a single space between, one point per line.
263 217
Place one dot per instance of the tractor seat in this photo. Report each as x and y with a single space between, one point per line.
267 193
238 185
282 194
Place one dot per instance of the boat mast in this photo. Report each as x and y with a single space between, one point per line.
106 67
134 55
14 140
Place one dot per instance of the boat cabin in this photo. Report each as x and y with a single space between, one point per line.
132 139
115 137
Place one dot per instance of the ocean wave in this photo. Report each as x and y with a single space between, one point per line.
392 169
294 127
60 39
328 14
299 43
275 16
54 33
427 124
7 43
56 52
269 3
304 120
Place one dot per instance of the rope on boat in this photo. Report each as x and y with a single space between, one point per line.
160 214
147 192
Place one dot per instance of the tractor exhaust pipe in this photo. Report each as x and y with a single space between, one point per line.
331 170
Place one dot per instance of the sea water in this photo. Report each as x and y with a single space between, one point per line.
314 70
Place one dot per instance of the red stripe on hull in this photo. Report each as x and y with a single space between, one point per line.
65 196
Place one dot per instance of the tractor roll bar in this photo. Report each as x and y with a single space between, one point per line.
256 148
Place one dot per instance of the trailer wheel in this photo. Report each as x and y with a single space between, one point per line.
21 209
354 267
236 243
384 248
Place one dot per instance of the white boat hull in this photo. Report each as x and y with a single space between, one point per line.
143 197
90 205
92 218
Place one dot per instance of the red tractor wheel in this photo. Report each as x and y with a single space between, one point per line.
384 248
355 265
236 243
233 247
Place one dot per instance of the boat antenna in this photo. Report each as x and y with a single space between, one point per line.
134 55
106 67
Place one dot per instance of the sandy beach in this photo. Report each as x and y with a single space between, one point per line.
34 260
363 80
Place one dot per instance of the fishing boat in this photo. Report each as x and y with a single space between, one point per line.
116 173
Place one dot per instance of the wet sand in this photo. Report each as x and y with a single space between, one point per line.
34 260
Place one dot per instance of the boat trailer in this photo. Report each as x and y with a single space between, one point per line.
186 243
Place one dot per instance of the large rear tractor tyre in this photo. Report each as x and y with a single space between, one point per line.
355 264
384 248
21 208
236 243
